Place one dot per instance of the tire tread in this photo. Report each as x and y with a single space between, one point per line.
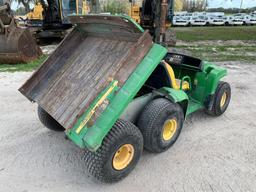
95 160
48 121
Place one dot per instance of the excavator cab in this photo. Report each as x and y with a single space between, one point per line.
69 7
55 14
16 43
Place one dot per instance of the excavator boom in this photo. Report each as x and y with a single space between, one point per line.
155 16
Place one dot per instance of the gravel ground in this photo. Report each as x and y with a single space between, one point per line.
212 154
48 49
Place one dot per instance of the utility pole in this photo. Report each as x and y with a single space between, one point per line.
242 1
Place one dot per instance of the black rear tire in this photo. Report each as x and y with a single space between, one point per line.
220 101
153 123
100 164
48 121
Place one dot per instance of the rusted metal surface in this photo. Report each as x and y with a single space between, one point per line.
16 44
111 22
90 57
154 17
163 15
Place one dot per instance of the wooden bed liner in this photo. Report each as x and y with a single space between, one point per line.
98 50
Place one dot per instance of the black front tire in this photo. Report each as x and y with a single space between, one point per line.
48 121
153 122
100 164
220 101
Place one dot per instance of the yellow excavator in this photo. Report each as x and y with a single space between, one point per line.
16 43
55 16
156 16
36 13
50 17
35 17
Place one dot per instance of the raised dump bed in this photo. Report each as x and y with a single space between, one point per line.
99 50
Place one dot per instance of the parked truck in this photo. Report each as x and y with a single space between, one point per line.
115 92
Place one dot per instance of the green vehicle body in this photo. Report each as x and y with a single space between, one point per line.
203 86
118 100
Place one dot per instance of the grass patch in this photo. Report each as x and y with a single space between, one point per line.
245 33
219 58
23 66
223 53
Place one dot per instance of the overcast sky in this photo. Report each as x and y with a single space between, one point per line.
231 3
214 3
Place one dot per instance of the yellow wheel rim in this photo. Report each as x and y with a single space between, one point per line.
169 129
223 99
123 157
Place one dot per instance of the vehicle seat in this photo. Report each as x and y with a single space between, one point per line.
175 83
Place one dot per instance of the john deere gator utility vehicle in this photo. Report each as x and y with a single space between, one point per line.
114 92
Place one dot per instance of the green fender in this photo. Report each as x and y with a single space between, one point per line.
215 74
206 82
175 96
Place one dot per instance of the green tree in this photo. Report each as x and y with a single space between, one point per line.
116 6
25 3
20 11
195 5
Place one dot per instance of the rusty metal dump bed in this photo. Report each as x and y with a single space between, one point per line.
98 50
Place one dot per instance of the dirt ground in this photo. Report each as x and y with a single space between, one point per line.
212 154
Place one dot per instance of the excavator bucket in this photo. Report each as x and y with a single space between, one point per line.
17 45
